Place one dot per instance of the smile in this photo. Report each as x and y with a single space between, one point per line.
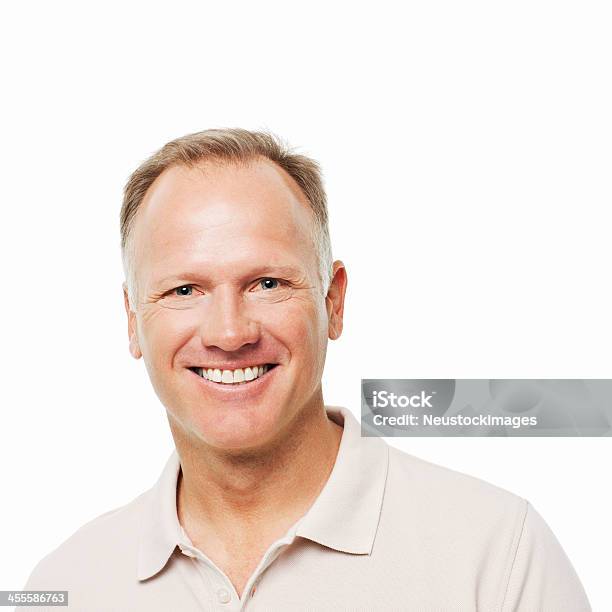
239 376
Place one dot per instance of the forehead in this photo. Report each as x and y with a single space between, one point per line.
222 218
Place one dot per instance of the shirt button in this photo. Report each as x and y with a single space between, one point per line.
223 595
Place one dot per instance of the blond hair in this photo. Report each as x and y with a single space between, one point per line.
226 146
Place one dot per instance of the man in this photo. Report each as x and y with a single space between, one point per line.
273 501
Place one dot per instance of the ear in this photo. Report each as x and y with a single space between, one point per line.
334 301
132 335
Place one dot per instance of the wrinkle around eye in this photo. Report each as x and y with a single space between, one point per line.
150 311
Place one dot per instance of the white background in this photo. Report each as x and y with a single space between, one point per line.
467 151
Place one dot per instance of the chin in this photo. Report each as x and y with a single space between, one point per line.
236 430
236 441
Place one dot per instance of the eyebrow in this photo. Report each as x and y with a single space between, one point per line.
265 270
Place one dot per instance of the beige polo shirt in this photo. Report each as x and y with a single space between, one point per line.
387 532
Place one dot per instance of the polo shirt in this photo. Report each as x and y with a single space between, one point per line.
388 531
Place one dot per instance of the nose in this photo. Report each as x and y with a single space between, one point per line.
226 323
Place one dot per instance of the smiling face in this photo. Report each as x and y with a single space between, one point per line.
227 279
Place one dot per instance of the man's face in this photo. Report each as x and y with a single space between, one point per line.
227 279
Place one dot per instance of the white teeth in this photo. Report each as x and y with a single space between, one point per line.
237 376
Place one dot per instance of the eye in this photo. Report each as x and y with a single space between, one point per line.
269 283
184 290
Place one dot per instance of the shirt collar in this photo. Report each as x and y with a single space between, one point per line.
344 516
160 530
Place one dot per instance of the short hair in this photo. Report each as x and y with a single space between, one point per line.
230 146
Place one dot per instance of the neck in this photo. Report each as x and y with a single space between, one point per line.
260 492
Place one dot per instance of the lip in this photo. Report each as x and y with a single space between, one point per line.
238 393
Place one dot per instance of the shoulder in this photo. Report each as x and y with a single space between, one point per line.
434 506
541 571
444 486
108 541
475 526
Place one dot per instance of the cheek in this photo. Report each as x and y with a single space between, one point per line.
304 326
160 336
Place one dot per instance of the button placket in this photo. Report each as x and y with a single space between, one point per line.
220 588
268 559
223 595
213 578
